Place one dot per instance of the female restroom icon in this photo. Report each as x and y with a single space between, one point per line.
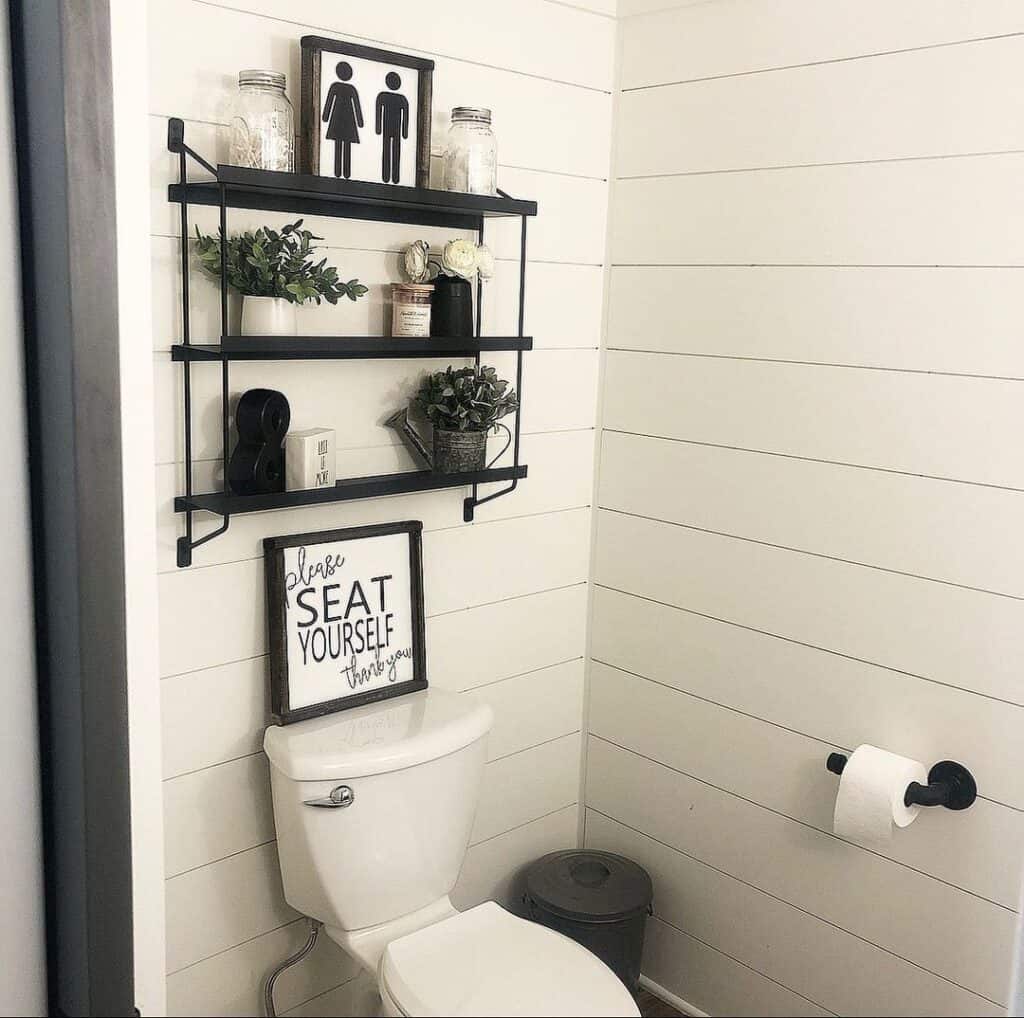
344 116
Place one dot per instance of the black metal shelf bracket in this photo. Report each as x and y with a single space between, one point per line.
238 188
469 506
176 144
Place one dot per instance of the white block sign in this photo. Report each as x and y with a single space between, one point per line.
309 459
345 613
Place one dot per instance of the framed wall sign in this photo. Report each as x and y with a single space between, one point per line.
345 618
364 113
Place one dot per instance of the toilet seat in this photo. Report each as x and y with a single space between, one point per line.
486 962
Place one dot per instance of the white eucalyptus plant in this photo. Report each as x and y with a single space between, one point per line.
460 259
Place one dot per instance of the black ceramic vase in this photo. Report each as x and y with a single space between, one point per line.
451 307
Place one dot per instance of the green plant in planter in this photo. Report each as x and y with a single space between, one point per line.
466 399
277 263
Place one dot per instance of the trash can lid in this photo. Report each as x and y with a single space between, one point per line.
589 886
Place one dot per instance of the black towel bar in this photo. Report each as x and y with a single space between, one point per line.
949 784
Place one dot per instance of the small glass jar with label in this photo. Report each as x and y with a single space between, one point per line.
263 123
410 310
470 161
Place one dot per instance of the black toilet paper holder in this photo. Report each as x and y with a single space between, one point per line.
949 784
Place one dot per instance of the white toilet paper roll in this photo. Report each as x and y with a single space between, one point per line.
870 797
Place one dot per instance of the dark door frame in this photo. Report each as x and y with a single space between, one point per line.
63 109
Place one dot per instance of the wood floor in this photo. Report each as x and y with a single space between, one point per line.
654 1007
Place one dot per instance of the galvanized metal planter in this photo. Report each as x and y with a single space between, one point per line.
457 452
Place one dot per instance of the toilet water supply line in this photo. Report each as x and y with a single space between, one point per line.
268 989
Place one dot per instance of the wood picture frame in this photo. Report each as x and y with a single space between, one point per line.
318 118
330 593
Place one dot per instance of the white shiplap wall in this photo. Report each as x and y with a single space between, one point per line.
811 487
506 596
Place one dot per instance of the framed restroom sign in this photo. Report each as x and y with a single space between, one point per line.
365 113
345 618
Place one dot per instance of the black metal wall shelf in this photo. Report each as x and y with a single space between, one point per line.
236 187
310 348
270 191
347 490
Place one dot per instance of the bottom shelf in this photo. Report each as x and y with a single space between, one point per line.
346 490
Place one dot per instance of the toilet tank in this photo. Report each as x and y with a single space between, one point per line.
413 765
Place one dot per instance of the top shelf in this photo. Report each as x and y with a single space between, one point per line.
271 191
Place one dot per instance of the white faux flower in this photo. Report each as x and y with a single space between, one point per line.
459 258
417 267
485 261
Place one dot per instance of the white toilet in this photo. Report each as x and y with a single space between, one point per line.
374 808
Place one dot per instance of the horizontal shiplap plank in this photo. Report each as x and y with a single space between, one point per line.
356 397
529 43
216 907
560 477
533 708
719 985
213 715
844 974
493 870
552 320
958 637
946 931
467 648
699 40
835 699
209 615
355 997
479 645
963 211
508 558
230 983
979 852
908 318
196 48
894 521
217 812
526 785
940 425
570 225
947 101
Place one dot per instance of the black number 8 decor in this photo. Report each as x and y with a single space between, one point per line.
257 464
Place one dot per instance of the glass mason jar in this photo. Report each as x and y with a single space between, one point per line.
263 123
470 161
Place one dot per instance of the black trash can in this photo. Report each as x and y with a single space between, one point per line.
600 900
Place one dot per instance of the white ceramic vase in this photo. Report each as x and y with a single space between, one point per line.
268 316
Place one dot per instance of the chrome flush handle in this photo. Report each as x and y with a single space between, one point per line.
339 798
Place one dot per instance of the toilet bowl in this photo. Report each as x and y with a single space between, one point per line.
486 961
373 808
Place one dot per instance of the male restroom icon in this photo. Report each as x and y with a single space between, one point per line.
392 117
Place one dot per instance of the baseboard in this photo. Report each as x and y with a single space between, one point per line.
670 998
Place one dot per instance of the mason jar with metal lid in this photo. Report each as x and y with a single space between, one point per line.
470 162
263 123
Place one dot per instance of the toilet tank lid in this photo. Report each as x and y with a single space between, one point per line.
378 737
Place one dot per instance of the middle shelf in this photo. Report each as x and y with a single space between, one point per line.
288 348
